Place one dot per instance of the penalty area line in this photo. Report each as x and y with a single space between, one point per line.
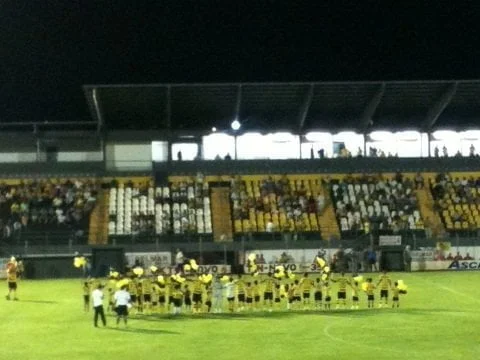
326 331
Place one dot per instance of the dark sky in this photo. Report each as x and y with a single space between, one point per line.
50 48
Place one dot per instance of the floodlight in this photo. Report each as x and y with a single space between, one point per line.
236 125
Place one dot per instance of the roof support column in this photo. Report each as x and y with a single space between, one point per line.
307 102
371 107
441 104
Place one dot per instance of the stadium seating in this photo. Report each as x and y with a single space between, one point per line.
46 205
180 208
280 203
458 202
376 203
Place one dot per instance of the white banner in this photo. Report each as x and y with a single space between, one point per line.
205 269
445 265
422 255
3 268
153 258
295 268
390 240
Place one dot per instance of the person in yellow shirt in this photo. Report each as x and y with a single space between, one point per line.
12 279
268 291
342 282
177 296
307 286
162 297
354 287
146 287
396 295
385 284
327 291
256 294
197 296
86 296
249 295
317 295
240 293
370 293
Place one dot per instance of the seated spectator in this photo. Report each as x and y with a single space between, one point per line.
450 256
468 257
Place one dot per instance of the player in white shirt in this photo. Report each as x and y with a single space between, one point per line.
97 298
122 302
217 288
230 293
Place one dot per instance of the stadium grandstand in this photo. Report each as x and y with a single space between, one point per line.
218 168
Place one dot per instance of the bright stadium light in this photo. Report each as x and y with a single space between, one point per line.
381 136
445 135
236 125
214 129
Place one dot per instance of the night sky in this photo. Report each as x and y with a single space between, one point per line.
49 49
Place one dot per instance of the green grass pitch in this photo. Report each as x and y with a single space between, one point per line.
439 318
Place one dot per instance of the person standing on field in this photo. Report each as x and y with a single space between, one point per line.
407 259
12 279
97 298
122 301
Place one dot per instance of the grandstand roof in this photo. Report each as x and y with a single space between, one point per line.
296 106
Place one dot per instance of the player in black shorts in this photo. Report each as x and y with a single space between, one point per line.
86 295
317 295
277 294
187 296
385 284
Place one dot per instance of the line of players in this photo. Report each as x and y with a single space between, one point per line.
254 294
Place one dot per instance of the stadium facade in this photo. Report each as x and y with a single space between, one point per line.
151 141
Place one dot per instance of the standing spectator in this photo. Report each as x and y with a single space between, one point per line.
372 260
436 152
179 260
445 151
97 297
407 259
472 150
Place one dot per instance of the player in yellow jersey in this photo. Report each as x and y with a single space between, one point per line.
177 295
396 295
327 291
307 286
139 297
256 294
297 294
249 295
187 298
385 284
268 291
170 284
132 290
86 296
342 282
317 294
147 294
162 297
370 293
12 279
241 293
154 307
208 297
197 295
355 290
112 284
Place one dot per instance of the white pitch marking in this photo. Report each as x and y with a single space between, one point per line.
326 331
